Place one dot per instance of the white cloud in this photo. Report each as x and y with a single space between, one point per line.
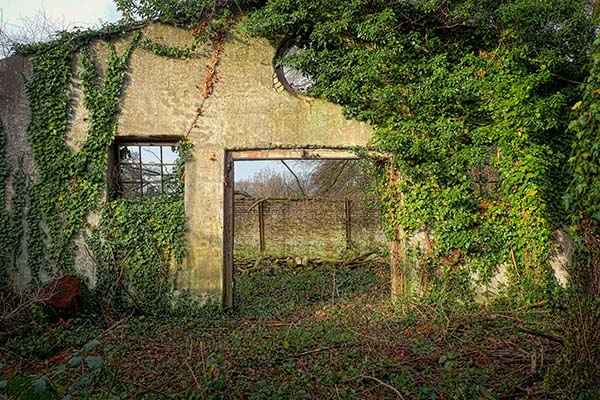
68 13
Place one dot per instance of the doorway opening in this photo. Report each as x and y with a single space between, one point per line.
296 210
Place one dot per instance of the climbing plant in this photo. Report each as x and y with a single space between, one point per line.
5 239
12 221
68 182
459 93
468 98
581 358
138 244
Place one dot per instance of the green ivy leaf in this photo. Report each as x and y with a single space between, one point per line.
39 385
94 361
91 345
74 362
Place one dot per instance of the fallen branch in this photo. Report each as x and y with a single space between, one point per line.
315 351
384 384
193 376
148 388
113 326
544 335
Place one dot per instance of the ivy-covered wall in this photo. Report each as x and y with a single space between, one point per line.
15 116
213 91
149 85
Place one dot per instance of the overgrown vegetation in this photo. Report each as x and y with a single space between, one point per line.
325 333
472 101
68 182
55 207
138 245
453 88
4 216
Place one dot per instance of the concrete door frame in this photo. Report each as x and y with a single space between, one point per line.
296 153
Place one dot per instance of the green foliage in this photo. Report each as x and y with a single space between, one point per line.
137 246
5 237
454 88
182 12
320 333
12 222
68 182
583 197
581 358
174 52
75 377
137 243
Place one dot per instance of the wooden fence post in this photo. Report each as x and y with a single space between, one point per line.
228 232
348 222
401 279
261 228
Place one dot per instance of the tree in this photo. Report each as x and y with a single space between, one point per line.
268 183
314 178
341 179
39 27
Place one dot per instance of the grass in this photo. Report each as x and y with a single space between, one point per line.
327 333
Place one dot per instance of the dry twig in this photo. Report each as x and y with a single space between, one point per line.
384 384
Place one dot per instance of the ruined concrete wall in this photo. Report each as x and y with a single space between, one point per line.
365 225
159 100
246 228
244 112
15 116
314 228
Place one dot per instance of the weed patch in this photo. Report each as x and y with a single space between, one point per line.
325 333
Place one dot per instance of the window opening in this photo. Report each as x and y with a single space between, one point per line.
146 169
294 80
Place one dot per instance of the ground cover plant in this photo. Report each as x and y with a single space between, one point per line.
323 333
489 111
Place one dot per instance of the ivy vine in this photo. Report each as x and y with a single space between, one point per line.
453 89
144 237
138 245
12 220
68 183
5 237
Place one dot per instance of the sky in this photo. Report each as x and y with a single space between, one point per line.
84 13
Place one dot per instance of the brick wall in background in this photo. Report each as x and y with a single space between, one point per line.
312 228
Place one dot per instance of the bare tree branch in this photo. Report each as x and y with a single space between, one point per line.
39 27
302 191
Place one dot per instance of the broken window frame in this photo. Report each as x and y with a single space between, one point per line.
142 192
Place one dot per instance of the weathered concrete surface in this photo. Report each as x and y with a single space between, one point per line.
244 112
159 99
561 260
15 116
